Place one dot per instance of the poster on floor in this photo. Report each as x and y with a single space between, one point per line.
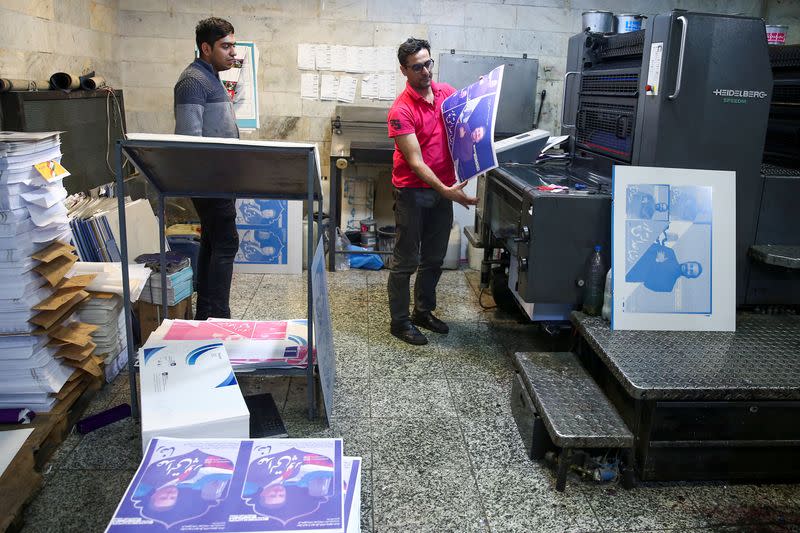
241 82
276 485
469 118
674 241
270 236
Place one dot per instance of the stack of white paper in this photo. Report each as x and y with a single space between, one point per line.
108 277
243 485
107 313
189 391
32 216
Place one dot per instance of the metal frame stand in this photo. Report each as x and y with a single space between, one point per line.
311 192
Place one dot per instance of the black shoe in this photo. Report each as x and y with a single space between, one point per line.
428 321
410 334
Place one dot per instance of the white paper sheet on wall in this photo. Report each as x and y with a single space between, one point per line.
346 91
328 87
353 62
306 56
369 86
369 59
338 57
322 56
309 86
386 59
387 86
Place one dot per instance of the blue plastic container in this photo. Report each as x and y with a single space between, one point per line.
187 245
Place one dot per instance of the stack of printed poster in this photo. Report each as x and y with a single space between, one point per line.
44 353
250 344
248 485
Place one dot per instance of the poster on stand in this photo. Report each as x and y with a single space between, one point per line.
674 240
469 118
270 236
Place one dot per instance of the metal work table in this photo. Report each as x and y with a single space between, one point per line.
760 361
181 166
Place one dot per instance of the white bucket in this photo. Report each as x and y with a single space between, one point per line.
776 34
453 254
626 22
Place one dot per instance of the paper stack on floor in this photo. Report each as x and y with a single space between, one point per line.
188 390
250 344
44 353
45 365
247 485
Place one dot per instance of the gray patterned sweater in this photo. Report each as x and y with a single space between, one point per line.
202 105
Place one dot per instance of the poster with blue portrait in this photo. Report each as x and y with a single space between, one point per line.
270 236
673 249
235 485
469 118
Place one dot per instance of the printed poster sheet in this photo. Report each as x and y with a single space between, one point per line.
250 344
241 82
275 485
674 249
270 236
469 117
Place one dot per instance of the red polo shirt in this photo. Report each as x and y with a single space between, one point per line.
411 113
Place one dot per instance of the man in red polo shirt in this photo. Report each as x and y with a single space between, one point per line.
424 191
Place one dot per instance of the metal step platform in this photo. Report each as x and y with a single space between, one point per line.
703 405
572 408
777 255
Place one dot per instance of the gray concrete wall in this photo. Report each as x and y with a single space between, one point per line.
40 37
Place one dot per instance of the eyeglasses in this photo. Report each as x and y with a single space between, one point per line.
417 67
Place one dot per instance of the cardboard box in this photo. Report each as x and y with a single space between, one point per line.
150 315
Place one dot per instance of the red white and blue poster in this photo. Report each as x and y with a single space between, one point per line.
469 116
275 485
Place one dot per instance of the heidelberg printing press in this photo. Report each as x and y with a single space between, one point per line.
692 90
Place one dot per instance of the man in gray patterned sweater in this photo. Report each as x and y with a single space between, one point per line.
204 108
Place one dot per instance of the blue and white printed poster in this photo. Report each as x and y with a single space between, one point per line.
674 249
469 116
270 236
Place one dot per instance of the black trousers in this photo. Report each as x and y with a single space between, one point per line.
219 242
423 220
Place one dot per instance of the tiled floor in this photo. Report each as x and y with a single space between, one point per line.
433 424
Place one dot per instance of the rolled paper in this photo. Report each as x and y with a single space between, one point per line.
95 82
8 84
65 81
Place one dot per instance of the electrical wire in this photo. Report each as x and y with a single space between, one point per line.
111 93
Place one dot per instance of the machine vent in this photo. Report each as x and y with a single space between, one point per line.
622 45
610 84
606 128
